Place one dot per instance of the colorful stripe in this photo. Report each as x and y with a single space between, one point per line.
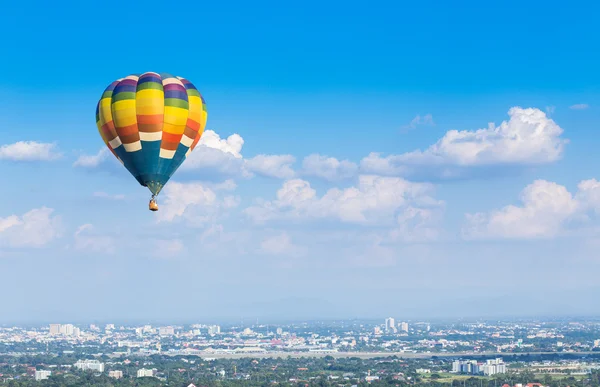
151 122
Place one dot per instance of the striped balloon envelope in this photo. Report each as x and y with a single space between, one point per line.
151 122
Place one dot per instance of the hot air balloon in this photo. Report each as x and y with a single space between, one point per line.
151 122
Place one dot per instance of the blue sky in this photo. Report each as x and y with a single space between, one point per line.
348 169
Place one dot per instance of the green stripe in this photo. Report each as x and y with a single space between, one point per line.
123 96
193 92
204 107
107 94
176 102
149 85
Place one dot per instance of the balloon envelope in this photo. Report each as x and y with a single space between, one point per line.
151 122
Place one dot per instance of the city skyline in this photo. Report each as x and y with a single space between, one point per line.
357 161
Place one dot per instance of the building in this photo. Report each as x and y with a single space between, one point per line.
146 373
596 343
89 365
214 330
42 375
279 331
493 367
404 326
116 374
466 367
55 329
390 325
166 331
67 329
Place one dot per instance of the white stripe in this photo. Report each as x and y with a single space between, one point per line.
115 143
166 154
152 136
134 77
133 147
185 140
168 81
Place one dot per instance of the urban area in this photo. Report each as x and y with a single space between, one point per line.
556 353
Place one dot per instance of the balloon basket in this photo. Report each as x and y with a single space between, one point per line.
153 206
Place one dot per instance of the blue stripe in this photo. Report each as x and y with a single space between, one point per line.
150 78
123 88
179 94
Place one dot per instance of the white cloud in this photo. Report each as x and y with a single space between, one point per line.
376 200
35 228
529 137
231 145
92 161
223 157
85 238
426 120
328 168
198 202
277 166
104 195
547 209
280 244
29 151
219 155
579 106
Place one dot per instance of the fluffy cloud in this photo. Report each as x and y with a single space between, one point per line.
220 155
328 168
92 161
29 151
547 209
579 106
376 200
35 228
199 203
277 166
529 137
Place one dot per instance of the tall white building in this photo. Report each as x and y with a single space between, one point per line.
55 329
404 326
115 374
42 375
67 329
390 324
493 367
214 330
89 365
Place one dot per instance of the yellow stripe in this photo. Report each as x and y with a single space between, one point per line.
124 113
195 108
150 93
173 129
175 115
104 111
146 109
124 104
